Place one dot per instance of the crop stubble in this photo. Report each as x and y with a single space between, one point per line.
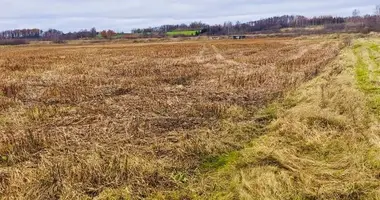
76 120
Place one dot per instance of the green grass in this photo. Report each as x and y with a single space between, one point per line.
316 143
310 150
186 33
375 47
363 73
219 162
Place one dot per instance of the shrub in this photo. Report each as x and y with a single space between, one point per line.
13 42
59 41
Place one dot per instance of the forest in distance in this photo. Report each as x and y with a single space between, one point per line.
290 23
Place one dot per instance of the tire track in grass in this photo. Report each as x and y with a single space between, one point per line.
221 58
200 58
368 73
311 151
375 60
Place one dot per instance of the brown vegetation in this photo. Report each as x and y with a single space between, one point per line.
324 143
124 120
14 42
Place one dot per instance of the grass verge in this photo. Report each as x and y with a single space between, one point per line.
324 143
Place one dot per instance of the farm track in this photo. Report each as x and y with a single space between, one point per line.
323 143
200 58
221 58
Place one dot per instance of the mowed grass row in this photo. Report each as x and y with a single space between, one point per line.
368 72
323 142
101 121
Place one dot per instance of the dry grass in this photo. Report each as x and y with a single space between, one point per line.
324 143
132 120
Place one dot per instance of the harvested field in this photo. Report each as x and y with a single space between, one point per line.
95 121
324 141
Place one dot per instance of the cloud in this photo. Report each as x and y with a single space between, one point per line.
123 15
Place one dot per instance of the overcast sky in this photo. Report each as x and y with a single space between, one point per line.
123 15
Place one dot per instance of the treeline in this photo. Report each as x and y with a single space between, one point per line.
168 28
21 34
273 23
354 23
51 34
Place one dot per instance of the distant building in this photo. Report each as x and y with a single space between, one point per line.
215 38
238 37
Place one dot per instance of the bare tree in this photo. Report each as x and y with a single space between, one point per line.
356 13
377 10
93 32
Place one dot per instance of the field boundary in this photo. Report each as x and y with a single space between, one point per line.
323 143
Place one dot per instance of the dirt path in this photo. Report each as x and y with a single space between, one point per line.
367 59
304 51
221 58
365 52
200 59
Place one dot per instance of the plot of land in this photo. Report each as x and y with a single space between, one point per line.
324 141
187 33
137 120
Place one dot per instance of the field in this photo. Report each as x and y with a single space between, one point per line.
187 120
187 33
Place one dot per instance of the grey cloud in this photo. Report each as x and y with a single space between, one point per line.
123 15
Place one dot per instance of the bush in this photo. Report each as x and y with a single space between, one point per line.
58 41
13 42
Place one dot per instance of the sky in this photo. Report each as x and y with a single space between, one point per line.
124 15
